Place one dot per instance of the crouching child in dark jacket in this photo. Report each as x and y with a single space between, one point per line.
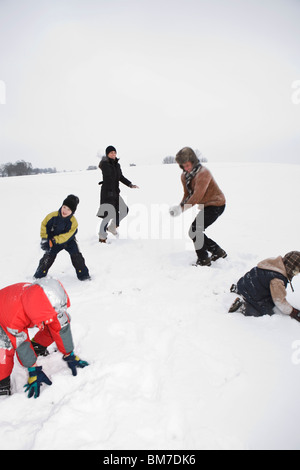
264 287
58 231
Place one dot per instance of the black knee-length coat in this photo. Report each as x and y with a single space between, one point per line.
112 176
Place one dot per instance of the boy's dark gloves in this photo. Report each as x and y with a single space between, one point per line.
295 314
74 362
46 244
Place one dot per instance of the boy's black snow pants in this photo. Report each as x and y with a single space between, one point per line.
76 258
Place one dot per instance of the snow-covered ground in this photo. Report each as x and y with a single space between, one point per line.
169 367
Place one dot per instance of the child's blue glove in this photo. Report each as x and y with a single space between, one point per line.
74 362
35 380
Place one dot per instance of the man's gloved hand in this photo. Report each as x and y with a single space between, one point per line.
175 211
35 380
74 362
295 314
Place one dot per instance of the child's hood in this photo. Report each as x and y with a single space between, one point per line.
274 264
44 299
292 263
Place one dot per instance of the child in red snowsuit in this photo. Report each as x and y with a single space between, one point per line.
43 304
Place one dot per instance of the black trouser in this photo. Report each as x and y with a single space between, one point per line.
76 258
204 219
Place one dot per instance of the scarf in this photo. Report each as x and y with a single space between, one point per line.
189 177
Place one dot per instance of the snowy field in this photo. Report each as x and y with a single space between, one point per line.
169 367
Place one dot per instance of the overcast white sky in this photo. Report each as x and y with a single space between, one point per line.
149 77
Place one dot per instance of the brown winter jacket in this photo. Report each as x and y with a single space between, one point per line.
277 287
204 190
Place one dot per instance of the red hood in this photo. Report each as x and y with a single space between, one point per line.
37 305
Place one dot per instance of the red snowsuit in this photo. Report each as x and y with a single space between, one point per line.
24 306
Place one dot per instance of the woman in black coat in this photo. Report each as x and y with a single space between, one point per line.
112 207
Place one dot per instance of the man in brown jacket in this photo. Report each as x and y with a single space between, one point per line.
264 287
200 187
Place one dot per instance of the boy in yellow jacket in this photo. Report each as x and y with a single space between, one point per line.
58 231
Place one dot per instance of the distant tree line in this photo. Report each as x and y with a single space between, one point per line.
21 168
169 160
